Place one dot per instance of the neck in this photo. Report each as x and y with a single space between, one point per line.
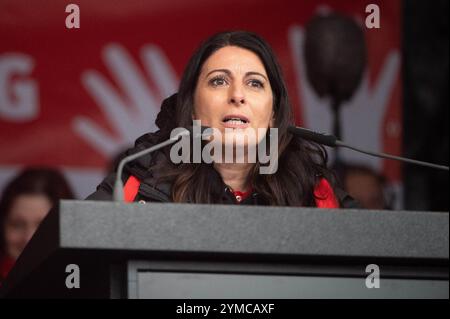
234 175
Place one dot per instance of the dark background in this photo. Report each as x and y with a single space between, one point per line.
425 96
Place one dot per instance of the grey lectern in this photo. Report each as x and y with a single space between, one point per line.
86 249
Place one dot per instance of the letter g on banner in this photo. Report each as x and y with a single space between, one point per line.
18 96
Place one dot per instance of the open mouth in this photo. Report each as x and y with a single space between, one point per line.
235 120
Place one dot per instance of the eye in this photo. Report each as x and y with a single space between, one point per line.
256 83
218 81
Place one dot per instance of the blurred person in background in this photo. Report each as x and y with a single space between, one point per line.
26 201
365 185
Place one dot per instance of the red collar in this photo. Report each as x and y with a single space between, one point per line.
323 193
240 196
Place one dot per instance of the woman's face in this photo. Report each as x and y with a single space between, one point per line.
26 213
233 91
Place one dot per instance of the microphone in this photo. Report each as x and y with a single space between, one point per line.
332 141
324 139
190 131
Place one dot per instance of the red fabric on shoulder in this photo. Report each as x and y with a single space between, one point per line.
131 189
324 195
6 264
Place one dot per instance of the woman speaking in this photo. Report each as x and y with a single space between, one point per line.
233 84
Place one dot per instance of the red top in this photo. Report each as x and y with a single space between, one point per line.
323 193
240 196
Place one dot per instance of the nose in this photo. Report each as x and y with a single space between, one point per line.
237 96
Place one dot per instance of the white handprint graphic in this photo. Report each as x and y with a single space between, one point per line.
132 112
361 117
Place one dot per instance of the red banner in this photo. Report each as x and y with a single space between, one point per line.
73 98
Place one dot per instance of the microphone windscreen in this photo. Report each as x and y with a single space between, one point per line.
324 139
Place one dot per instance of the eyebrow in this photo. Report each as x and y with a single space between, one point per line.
228 72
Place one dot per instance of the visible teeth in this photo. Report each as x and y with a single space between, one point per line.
235 121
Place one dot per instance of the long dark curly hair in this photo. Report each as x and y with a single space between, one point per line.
300 164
